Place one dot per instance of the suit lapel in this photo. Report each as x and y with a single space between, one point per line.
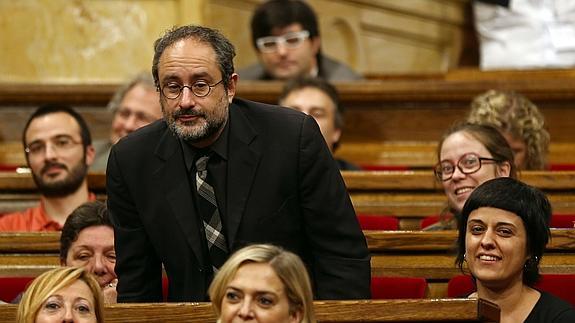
244 156
178 191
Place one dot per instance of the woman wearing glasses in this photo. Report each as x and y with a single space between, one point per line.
469 155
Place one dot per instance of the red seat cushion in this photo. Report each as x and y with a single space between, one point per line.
377 222
10 287
398 287
563 221
460 286
560 167
561 286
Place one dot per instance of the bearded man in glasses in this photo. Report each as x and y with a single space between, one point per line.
59 150
285 35
218 173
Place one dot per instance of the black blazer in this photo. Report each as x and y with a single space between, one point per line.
283 187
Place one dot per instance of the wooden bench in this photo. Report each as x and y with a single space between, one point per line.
389 110
394 253
408 195
438 310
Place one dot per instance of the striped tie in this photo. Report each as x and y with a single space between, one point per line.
217 246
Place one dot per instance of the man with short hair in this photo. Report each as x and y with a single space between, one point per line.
134 105
319 99
285 35
218 173
58 148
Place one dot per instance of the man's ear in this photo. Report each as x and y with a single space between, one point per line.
232 87
315 44
90 154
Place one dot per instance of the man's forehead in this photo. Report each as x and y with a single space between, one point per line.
52 124
293 27
186 53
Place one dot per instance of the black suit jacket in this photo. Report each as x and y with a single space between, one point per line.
283 187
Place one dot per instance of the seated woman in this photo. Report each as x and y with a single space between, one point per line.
503 232
469 154
263 283
62 295
87 240
520 122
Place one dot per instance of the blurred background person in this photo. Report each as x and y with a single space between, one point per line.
134 105
63 294
58 148
319 99
503 232
520 122
87 241
285 35
469 154
262 283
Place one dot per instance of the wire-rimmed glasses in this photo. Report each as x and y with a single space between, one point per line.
467 164
58 144
172 90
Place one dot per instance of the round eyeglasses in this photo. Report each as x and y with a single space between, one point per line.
271 44
467 164
172 90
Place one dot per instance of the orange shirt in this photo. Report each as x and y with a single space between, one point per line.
32 220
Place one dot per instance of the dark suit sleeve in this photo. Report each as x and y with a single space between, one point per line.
341 261
138 268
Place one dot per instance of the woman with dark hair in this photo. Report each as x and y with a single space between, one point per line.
87 241
468 155
503 231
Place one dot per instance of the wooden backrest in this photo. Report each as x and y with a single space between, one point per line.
442 310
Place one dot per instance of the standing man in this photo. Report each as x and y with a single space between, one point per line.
59 150
285 35
319 99
218 173
134 105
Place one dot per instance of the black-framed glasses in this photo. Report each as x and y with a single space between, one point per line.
467 164
172 90
59 144
271 44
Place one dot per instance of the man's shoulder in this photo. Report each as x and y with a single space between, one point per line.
19 220
333 70
252 72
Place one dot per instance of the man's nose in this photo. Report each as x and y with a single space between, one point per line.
187 98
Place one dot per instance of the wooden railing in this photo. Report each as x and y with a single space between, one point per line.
437 310
408 195
394 253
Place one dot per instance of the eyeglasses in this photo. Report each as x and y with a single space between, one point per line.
467 164
270 44
172 90
59 144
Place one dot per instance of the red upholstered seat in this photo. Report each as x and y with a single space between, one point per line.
561 167
561 286
10 287
427 221
377 222
563 221
384 167
460 286
398 287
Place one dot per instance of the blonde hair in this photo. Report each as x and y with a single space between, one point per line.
513 113
287 266
49 283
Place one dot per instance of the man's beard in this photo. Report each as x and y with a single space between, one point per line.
205 127
63 187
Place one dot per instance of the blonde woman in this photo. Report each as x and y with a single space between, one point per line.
263 283
519 121
65 294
